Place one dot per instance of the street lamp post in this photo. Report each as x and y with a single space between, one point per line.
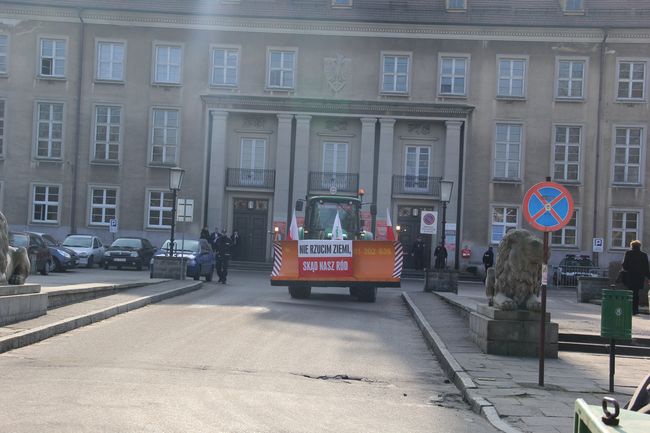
445 197
175 181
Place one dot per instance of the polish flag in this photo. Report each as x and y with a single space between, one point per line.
390 234
293 229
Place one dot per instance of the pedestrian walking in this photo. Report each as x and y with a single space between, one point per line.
417 252
205 233
488 259
224 245
214 236
635 265
440 254
235 244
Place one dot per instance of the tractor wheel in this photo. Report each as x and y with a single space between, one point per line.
367 294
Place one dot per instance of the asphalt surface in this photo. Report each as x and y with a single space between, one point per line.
242 357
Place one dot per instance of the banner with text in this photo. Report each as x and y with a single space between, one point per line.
324 258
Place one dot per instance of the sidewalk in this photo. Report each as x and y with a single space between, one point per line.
505 389
66 318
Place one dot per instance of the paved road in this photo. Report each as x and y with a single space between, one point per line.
237 358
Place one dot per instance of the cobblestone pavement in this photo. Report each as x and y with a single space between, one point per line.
511 383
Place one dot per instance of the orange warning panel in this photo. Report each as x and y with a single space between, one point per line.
337 263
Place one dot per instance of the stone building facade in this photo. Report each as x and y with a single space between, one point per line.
264 102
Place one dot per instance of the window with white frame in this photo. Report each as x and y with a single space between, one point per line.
512 78
341 3
631 80
2 128
106 144
52 57
225 65
627 155
159 209
456 4
49 130
110 61
507 155
624 228
573 5
453 76
169 60
103 205
282 66
416 168
335 161
164 136
567 236
4 47
253 161
45 203
570 78
395 72
566 153
504 219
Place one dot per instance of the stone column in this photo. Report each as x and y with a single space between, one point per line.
282 168
451 168
301 157
217 184
385 170
367 162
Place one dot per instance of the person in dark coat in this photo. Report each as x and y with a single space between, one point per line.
235 244
488 259
417 252
205 233
224 245
635 265
440 254
213 239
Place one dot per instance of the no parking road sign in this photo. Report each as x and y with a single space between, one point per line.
548 206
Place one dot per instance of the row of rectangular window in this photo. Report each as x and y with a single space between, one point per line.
461 5
624 224
281 71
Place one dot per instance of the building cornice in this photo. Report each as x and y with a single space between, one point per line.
313 27
274 104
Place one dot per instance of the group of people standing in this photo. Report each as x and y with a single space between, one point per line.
224 247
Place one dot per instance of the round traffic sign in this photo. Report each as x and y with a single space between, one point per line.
548 206
429 219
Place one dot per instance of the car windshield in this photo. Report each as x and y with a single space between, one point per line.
324 213
49 241
78 241
18 240
127 243
189 246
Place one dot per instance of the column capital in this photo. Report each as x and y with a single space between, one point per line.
285 117
368 121
219 114
303 117
452 124
387 121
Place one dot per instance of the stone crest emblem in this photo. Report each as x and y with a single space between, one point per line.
338 71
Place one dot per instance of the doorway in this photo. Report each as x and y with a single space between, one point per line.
408 218
250 218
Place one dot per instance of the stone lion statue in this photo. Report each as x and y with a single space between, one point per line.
514 282
14 262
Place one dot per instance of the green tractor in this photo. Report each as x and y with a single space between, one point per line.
320 214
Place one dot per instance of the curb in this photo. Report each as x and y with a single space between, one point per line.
62 297
456 373
31 336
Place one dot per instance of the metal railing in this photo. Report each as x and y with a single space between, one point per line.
567 276
343 182
250 178
416 185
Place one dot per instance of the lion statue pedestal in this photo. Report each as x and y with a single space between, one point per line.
509 325
18 301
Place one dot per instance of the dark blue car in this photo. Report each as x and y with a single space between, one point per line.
63 258
199 254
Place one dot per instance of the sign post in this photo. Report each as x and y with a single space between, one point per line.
113 227
548 206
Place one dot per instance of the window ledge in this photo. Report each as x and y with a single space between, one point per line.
55 160
224 86
568 182
281 90
158 229
107 81
50 78
570 99
167 85
452 96
564 247
161 165
398 94
630 101
511 98
44 223
4 74
505 180
626 185
111 163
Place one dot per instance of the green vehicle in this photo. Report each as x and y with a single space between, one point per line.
320 214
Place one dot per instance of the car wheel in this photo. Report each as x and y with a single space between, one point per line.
46 268
52 265
91 262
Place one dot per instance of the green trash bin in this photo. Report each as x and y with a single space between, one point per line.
616 315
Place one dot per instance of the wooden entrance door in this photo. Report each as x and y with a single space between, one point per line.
250 217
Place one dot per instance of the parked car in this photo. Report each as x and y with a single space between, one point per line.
199 254
36 250
63 258
89 248
571 267
135 252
